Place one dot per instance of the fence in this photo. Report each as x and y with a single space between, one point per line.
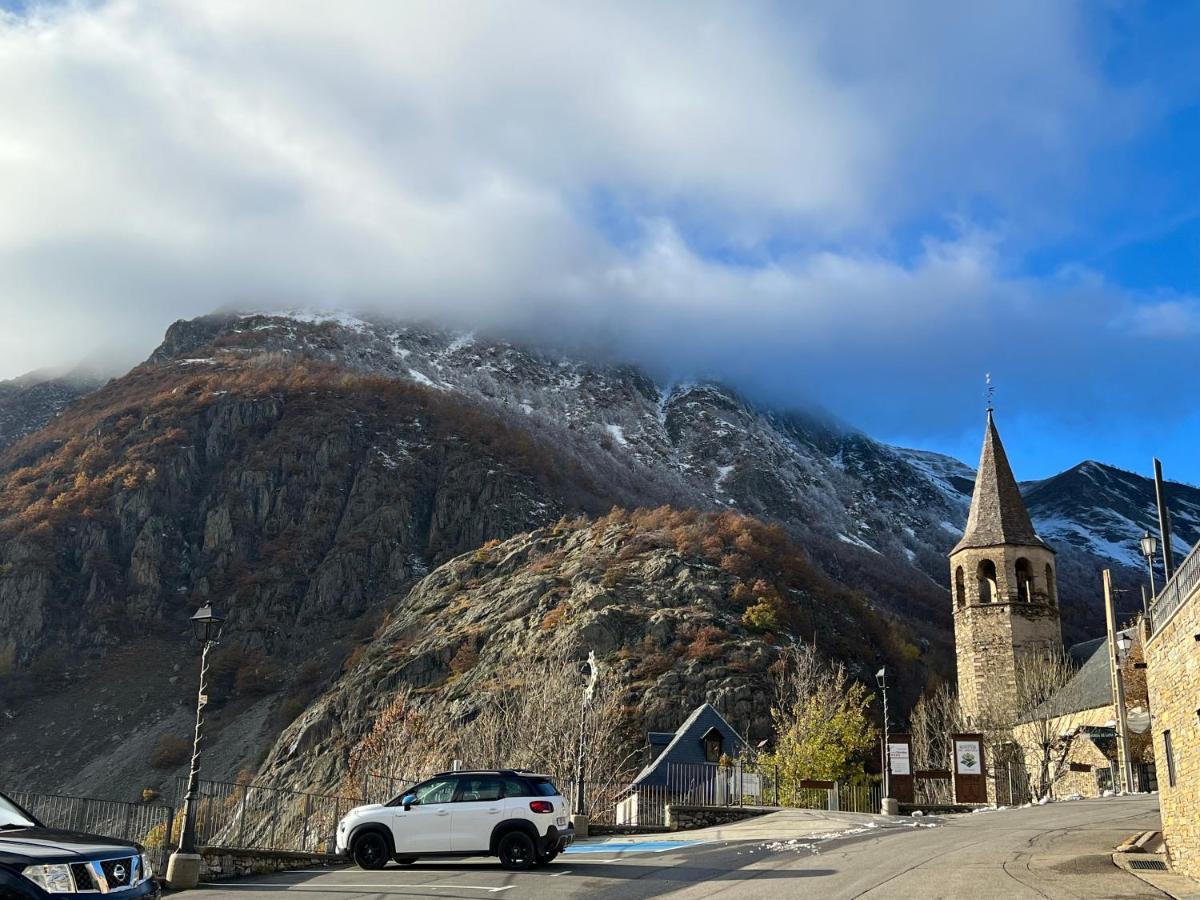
255 817
1185 580
141 822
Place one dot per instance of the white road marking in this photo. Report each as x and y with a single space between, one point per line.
308 886
563 872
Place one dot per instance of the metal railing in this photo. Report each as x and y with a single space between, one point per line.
1184 582
256 817
706 784
143 823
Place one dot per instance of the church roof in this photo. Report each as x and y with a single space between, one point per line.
998 514
1091 685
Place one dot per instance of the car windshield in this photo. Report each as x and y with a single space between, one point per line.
12 816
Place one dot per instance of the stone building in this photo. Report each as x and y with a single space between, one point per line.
1004 592
1173 679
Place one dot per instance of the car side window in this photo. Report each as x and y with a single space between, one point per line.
474 788
514 787
438 790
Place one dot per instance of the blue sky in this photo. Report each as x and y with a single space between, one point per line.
861 206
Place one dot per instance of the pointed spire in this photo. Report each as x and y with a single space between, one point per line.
998 514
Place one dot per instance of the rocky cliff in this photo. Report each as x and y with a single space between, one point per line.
661 597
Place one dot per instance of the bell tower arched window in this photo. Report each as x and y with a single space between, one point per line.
986 577
1050 598
960 588
1024 581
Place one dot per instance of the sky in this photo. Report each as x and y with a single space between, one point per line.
863 206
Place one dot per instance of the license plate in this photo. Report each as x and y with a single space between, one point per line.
562 820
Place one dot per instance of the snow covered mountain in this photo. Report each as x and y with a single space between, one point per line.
875 516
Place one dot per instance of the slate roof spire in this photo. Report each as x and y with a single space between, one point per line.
998 514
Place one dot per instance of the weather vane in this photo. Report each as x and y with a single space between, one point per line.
991 389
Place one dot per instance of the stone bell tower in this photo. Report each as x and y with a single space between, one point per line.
1005 595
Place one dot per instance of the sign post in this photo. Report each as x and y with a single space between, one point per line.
970 782
899 763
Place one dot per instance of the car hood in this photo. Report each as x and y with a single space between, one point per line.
28 845
360 810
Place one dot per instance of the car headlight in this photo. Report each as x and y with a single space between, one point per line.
53 879
147 869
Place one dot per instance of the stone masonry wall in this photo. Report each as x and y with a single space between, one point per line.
685 817
221 862
1173 678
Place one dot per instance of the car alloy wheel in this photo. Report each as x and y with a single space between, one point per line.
516 850
370 851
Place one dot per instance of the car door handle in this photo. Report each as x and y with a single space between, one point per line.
443 812
494 810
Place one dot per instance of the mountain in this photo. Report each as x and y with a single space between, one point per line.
305 471
30 401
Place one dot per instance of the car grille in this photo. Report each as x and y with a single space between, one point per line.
118 872
82 874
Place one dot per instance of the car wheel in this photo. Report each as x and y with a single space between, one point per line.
516 850
544 859
406 860
370 851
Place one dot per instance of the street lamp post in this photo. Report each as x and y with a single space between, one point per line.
889 806
183 868
580 818
1149 547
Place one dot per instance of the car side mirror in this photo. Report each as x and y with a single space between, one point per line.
408 801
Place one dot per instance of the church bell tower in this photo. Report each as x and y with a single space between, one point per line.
1004 591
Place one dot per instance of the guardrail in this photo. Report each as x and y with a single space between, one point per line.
1184 583
144 823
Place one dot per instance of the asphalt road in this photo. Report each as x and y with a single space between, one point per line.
1061 850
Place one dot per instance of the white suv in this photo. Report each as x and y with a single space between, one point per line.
517 816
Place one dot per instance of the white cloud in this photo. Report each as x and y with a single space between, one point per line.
723 186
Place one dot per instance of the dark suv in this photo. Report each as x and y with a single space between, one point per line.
39 862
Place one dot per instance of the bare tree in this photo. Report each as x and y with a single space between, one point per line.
1043 725
532 722
934 718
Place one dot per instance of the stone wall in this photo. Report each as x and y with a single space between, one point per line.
223 862
1173 677
685 817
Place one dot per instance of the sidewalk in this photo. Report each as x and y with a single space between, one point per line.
783 825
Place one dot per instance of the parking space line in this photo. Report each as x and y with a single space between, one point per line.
309 886
553 874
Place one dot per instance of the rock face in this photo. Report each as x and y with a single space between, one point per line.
654 594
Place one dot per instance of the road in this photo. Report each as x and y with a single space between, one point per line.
1060 850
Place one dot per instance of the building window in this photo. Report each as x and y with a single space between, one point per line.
1049 584
986 577
1169 752
712 746
960 588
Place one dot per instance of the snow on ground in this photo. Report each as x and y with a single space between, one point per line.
722 474
858 542
421 378
618 434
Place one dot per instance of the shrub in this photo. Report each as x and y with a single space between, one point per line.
763 616
706 643
170 751
465 659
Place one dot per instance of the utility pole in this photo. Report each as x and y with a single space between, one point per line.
1118 685
1164 522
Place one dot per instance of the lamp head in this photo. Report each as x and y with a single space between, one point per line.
207 624
1149 545
1124 642
881 677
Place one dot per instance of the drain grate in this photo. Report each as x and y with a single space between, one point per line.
1153 865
